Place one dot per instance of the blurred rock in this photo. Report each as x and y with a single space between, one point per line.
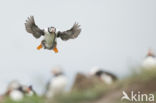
83 82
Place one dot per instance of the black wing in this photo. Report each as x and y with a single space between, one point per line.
71 33
32 28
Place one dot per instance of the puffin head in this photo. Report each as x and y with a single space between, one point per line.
51 29
13 85
150 53
57 71
28 90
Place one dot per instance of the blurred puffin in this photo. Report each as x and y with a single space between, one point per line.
16 91
22 91
150 60
57 85
106 77
50 35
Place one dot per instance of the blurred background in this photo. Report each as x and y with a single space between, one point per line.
116 35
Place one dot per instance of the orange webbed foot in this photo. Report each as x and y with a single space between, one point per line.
39 47
55 50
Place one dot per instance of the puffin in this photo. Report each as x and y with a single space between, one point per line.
56 86
150 60
104 76
50 35
16 91
19 93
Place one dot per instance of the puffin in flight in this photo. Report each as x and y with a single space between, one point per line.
50 35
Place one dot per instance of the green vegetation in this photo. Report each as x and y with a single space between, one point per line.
85 95
144 81
34 99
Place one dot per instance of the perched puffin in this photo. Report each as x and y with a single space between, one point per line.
17 91
14 91
57 85
106 77
150 60
50 35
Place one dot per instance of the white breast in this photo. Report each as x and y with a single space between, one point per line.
149 62
57 86
106 78
16 95
49 38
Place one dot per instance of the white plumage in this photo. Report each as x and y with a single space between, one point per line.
17 91
16 95
49 38
107 79
57 85
150 61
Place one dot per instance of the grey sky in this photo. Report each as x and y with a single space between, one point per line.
115 35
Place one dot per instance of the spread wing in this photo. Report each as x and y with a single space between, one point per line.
71 33
32 28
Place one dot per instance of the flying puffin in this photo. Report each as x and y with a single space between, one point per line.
57 84
106 77
150 60
50 35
